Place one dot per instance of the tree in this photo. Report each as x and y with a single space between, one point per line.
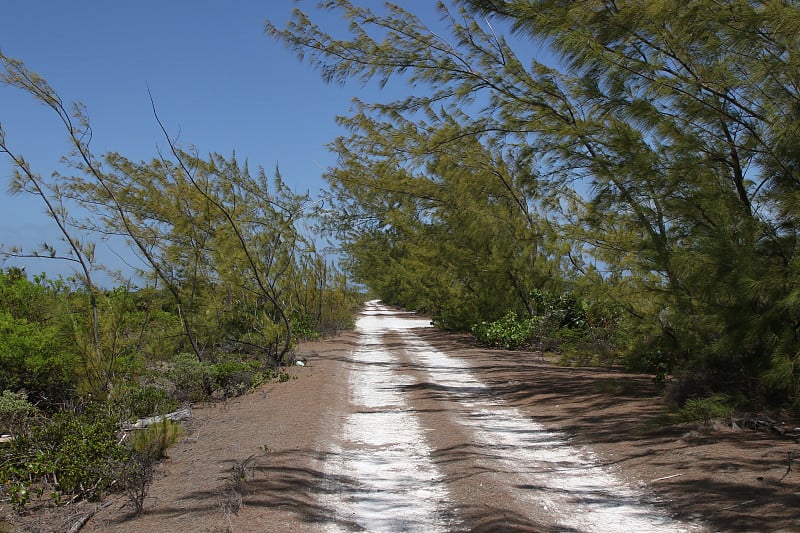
79 250
219 239
652 158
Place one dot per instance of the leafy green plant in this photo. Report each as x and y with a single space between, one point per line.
508 332
15 411
67 454
147 447
189 377
705 409
233 377
304 327
154 440
140 402
32 358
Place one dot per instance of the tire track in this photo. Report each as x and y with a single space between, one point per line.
392 483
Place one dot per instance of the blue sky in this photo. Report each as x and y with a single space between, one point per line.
217 79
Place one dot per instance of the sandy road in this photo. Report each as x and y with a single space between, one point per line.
427 448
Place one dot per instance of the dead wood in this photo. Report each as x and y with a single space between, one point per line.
182 414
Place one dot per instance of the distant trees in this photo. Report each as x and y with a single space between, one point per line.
651 166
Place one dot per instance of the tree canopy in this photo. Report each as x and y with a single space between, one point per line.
650 165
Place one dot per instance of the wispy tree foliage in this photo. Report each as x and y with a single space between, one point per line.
651 164
227 245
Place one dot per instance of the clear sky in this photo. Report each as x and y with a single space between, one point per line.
217 79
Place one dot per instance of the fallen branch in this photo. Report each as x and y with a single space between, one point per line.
184 413
82 521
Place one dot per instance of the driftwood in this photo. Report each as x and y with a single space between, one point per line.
184 413
78 525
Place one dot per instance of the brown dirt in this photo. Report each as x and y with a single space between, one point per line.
728 480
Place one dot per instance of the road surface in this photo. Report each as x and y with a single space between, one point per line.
427 448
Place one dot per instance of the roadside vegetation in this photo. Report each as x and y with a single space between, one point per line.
67 414
614 181
229 281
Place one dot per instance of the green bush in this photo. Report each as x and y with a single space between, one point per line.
33 359
565 310
190 378
509 332
705 409
15 411
304 327
67 454
153 441
141 402
233 378
25 299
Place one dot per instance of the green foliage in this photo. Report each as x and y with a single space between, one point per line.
510 332
15 412
193 380
233 378
304 327
153 441
664 189
705 409
140 402
66 455
232 279
23 299
562 323
33 359
563 310
189 378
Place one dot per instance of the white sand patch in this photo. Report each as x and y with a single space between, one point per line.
395 485
541 464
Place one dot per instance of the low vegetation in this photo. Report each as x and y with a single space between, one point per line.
63 409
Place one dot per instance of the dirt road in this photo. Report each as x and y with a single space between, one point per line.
398 427
426 439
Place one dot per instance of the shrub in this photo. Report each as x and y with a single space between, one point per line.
153 441
140 402
705 409
566 310
233 378
190 378
32 358
509 332
15 411
304 327
67 454
147 447
26 299
135 475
